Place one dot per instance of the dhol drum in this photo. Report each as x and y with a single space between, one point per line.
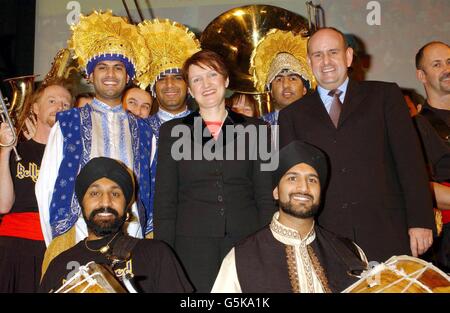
402 274
92 278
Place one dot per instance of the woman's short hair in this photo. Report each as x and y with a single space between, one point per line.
205 58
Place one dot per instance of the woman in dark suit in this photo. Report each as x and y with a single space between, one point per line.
210 189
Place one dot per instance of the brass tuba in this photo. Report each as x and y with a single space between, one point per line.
235 34
22 89
63 66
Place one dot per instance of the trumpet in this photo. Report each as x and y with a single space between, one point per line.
6 119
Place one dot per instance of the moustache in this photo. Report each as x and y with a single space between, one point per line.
444 76
103 210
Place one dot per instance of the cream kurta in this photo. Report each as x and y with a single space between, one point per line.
227 280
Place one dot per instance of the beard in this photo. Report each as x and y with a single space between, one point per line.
104 227
299 210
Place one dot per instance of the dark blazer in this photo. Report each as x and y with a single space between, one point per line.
378 186
210 198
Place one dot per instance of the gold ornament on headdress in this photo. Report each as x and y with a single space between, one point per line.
102 33
274 52
170 44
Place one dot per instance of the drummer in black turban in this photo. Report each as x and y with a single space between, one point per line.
105 190
293 253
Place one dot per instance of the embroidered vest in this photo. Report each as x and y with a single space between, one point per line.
261 262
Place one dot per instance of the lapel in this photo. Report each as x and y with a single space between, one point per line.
316 109
195 117
353 97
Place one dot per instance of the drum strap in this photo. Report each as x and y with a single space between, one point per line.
121 255
123 247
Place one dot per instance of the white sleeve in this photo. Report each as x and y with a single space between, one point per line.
48 173
153 152
227 280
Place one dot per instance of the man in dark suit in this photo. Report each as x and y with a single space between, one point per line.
378 192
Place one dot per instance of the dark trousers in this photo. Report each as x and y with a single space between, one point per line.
20 264
202 257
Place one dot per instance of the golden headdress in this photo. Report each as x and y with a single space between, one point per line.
170 44
277 51
102 36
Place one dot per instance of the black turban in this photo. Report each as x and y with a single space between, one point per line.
102 167
298 152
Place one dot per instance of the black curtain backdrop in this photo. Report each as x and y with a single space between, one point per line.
17 24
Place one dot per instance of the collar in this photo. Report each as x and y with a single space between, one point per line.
102 107
231 119
324 92
289 236
165 116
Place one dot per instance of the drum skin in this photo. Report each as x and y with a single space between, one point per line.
402 274
92 278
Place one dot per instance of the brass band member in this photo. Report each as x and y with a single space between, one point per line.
165 79
22 244
433 70
278 65
112 52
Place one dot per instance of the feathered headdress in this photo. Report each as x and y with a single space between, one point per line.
277 51
170 44
102 36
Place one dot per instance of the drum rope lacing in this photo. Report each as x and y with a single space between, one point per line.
412 277
89 278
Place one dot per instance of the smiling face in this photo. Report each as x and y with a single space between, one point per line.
329 58
207 86
298 192
109 79
53 100
434 70
104 207
286 88
243 107
138 102
171 91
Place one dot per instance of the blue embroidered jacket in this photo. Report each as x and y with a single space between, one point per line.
76 127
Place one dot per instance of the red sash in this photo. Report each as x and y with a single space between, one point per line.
445 213
22 225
